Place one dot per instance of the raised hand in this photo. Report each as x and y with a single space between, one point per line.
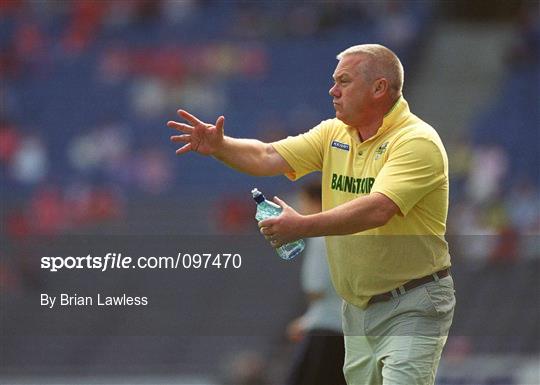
200 137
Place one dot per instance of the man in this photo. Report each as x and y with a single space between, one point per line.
385 203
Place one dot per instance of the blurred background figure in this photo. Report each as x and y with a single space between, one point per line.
320 352
246 367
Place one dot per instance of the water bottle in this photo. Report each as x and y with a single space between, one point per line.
267 209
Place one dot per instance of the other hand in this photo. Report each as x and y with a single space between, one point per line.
199 137
285 228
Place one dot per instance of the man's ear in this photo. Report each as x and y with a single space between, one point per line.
380 87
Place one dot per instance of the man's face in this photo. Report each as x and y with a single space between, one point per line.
350 93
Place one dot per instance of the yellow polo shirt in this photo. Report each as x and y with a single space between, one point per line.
407 162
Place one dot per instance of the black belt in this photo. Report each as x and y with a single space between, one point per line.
408 286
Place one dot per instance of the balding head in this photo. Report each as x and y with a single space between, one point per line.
381 63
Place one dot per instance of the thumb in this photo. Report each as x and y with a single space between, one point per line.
280 202
219 124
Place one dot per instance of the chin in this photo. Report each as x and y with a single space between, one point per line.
341 117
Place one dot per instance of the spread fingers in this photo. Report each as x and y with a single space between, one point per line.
181 138
180 126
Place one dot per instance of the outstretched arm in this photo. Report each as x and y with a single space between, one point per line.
249 156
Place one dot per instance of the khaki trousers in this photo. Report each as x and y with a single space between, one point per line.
399 342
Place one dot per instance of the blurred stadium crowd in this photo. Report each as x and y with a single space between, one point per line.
86 87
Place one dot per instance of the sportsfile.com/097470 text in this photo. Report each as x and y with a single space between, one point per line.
112 261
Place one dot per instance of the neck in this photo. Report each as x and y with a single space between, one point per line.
371 125
369 129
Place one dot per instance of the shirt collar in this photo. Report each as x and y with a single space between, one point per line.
394 116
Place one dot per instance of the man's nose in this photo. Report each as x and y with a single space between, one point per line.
333 91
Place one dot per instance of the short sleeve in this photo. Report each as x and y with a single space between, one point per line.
413 169
304 152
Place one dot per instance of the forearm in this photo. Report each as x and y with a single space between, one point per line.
352 217
249 156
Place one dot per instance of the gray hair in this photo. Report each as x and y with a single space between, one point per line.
382 62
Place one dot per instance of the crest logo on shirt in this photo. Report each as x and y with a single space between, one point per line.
341 146
381 150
